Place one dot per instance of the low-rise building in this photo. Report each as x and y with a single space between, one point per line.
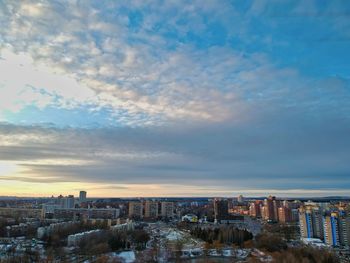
50 229
86 213
189 218
74 240
21 212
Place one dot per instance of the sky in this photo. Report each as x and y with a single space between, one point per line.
175 98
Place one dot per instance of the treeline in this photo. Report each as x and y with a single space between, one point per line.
27 256
223 235
306 255
288 232
3 224
107 241
278 248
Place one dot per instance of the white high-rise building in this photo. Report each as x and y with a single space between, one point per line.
69 201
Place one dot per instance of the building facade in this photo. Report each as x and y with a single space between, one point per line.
135 210
151 209
167 209
311 222
82 196
331 229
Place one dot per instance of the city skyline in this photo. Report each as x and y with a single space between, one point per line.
155 99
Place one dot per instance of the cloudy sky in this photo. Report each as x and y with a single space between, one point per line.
175 98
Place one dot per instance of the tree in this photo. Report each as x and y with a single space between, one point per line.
140 237
270 242
306 255
178 247
225 235
117 241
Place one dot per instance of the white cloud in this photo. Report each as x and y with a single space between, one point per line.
74 55
24 82
31 9
126 76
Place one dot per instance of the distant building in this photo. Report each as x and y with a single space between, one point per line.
66 202
337 228
270 209
151 209
331 229
317 222
86 213
292 205
220 209
55 227
21 229
69 201
127 226
50 208
284 214
82 196
135 210
263 211
240 199
167 209
189 218
74 240
255 209
305 224
344 228
310 222
295 215
276 204
21 212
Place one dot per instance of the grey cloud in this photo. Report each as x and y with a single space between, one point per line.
224 118
288 150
